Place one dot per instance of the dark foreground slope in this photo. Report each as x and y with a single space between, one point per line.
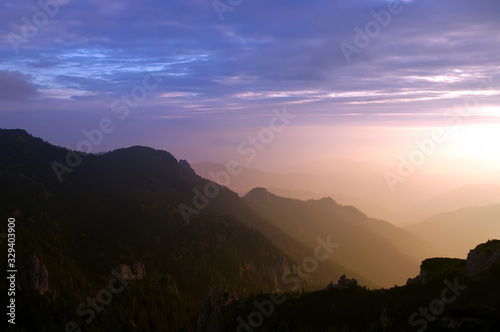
448 295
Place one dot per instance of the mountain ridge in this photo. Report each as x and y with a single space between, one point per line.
352 228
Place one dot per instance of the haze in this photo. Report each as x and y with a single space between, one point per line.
426 85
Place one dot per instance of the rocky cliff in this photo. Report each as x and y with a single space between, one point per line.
437 268
483 257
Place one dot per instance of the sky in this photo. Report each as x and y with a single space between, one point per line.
361 79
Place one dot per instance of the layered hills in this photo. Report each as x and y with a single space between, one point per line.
178 240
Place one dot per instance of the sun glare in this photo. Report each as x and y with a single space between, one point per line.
479 143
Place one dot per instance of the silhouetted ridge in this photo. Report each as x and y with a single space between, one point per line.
259 192
15 132
368 246
137 155
325 200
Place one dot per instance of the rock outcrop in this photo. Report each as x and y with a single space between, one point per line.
136 272
483 257
212 309
436 268
32 274
186 166
425 276
343 283
414 281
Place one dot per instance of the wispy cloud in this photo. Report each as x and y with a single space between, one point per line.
261 56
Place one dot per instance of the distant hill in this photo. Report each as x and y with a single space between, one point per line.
453 233
376 248
465 196
372 210
361 184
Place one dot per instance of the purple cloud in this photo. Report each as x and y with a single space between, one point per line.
263 55
16 86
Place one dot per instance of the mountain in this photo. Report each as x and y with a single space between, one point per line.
357 179
357 183
115 209
81 215
372 247
362 184
454 232
468 195
157 247
372 210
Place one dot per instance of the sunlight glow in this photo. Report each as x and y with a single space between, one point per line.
478 143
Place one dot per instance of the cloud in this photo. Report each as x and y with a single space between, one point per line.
42 64
263 55
16 86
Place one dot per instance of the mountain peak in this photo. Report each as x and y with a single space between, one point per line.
327 199
144 154
258 192
15 134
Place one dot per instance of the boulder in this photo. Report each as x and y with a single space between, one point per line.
32 275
